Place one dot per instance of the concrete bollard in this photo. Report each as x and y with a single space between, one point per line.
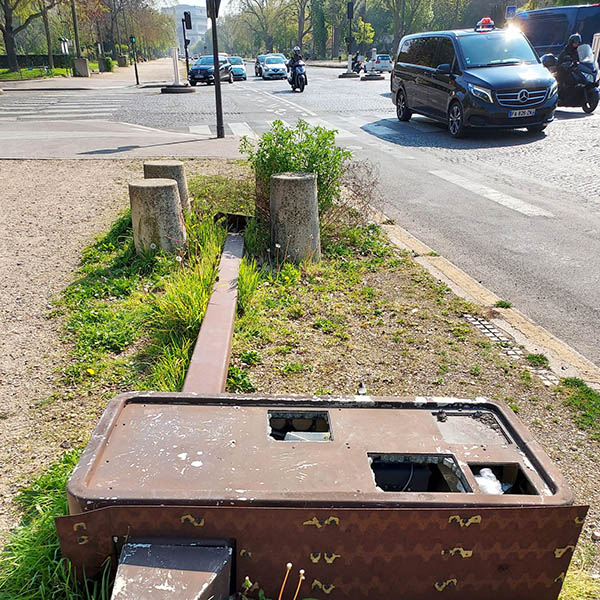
170 169
295 234
156 215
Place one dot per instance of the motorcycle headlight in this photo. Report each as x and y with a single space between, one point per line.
481 93
553 89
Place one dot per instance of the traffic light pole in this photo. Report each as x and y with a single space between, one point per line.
137 77
185 45
218 101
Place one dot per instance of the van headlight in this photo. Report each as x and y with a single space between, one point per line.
481 93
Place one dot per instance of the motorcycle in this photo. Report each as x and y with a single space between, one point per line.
297 78
358 66
577 82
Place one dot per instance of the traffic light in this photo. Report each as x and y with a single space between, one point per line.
350 10
212 5
187 17
132 39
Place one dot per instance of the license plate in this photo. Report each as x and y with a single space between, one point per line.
512 114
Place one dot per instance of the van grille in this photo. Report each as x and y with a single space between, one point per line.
514 98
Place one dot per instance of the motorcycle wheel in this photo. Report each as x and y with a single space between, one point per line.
301 84
591 101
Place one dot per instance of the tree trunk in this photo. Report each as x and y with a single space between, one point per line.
335 40
9 39
301 19
48 37
397 31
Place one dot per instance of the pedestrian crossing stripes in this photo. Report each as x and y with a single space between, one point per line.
49 107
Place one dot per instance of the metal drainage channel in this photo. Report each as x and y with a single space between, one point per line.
191 492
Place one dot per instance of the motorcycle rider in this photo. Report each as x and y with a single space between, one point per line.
294 60
569 55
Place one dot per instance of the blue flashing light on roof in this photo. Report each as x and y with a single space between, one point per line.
486 24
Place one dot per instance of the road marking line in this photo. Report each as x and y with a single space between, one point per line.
200 129
58 117
493 195
302 108
341 133
243 129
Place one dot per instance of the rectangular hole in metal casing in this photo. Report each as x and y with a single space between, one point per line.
510 475
417 473
300 426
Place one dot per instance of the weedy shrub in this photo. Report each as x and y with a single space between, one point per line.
248 279
302 148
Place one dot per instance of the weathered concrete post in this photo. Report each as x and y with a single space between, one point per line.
294 208
170 169
156 215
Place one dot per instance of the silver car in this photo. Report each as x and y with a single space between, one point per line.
274 68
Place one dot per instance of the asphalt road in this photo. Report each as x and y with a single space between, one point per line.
518 212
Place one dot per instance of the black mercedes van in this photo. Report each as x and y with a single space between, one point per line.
482 77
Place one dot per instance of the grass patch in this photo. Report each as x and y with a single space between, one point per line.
579 584
538 360
31 566
27 73
503 304
585 402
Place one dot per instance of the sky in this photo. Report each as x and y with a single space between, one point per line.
225 4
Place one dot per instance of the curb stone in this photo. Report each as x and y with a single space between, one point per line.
564 360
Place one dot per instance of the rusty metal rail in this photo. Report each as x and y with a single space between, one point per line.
207 372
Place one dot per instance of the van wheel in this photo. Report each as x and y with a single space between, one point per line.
456 120
402 111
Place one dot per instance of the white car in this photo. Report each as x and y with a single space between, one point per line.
383 62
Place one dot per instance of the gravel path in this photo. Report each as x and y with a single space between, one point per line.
50 209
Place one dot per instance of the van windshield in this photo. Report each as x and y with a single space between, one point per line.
493 49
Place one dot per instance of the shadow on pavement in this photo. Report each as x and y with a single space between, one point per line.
420 133
119 149
566 115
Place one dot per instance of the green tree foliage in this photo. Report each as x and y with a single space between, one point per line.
364 33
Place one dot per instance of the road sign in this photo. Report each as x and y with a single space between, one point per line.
511 12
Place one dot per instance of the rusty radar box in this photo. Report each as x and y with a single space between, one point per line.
410 498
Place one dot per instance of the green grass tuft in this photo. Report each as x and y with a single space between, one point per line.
538 360
585 402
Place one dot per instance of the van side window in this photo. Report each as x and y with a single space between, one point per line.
446 54
405 51
589 24
423 51
551 30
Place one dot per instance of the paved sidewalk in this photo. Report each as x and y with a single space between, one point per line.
106 139
156 71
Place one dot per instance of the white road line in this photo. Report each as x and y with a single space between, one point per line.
341 133
271 95
243 129
493 195
69 116
200 129
36 110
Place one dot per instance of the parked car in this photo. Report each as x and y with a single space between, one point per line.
203 70
383 62
274 67
238 67
548 29
258 65
482 77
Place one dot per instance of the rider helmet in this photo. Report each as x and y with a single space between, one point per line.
296 49
574 38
